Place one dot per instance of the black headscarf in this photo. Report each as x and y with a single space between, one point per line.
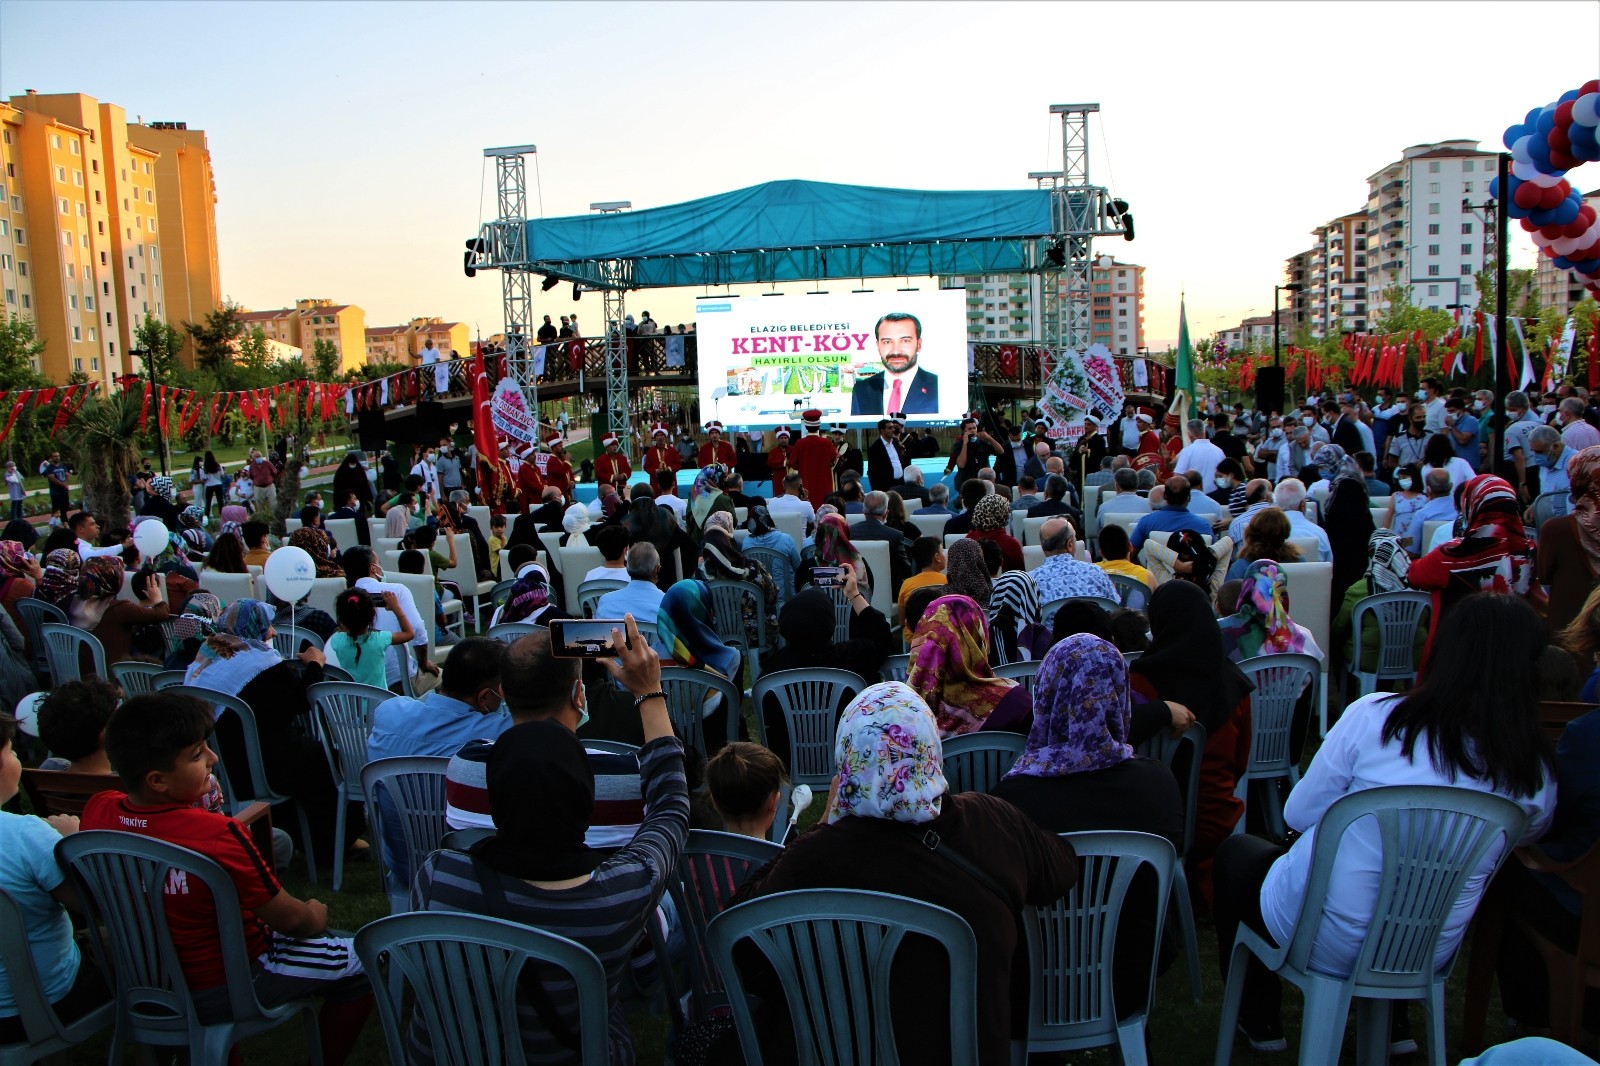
807 620
541 790
20 531
1348 521
1186 661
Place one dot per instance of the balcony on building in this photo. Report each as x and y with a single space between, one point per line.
1392 185
1393 226
1395 204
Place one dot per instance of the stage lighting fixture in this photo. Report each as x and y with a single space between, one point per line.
1057 255
1127 226
577 292
1116 208
466 264
477 244
550 282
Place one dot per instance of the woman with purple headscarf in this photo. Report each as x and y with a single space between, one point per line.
1080 773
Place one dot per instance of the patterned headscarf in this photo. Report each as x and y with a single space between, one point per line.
1332 463
13 559
888 758
162 486
238 652
965 572
192 517
1494 553
683 622
233 513
759 521
950 667
1015 589
991 512
833 547
1584 472
98 587
316 544
722 555
62 568
1081 711
529 596
1387 562
705 490
199 619
1261 624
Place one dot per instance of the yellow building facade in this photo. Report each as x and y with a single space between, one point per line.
81 237
308 321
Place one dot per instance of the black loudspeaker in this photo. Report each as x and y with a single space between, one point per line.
372 431
431 424
1269 389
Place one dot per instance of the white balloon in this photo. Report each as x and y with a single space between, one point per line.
1541 240
289 573
27 713
1534 176
150 537
1563 245
1519 150
1586 110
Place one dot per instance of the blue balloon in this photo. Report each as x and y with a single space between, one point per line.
1583 138
1531 120
1562 262
1566 211
1570 94
1494 186
1513 134
1586 266
1542 218
1539 153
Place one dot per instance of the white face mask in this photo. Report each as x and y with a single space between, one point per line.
1421 394
1403 482
1224 482
1477 405
1307 420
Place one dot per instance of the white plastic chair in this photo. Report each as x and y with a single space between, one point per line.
228 588
1279 682
1397 616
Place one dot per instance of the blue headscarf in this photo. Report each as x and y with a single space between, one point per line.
684 624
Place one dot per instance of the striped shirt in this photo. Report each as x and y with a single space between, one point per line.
618 797
606 914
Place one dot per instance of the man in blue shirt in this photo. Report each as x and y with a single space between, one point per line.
640 597
468 705
1441 505
1548 450
1463 429
1173 514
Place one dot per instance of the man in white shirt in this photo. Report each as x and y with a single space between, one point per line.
791 503
87 528
1290 498
1199 455
363 560
666 487
429 353
429 473
1576 434
1432 397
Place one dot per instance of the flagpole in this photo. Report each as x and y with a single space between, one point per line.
1502 341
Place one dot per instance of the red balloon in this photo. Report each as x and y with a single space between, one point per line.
1552 233
1561 159
1552 196
1590 86
1563 114
1576 228
1527 196
1586 213
1558 139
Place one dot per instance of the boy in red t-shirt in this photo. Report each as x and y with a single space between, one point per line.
158 745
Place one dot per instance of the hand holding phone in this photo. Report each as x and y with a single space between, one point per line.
586 638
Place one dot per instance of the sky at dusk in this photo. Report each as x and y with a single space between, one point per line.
348 138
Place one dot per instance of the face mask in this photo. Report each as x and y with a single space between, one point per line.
1546 408
1224 482
1477 405
1307 420
1420 394
1403 482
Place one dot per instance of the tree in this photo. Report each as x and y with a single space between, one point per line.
214 341
159 344
104 437
324 360
253 350
1522 295
19 347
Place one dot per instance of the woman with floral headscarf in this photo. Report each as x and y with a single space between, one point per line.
966 573
889 800
239 660
684 627
705 496
1080 774
96 609
991 520
1493 554
1261 624
19 575
62 570
830 546
950 670
190 629
317 544
1569 544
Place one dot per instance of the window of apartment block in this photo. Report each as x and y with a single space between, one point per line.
72 300
25 301
1433 270
1468 166
88 301
97 196
66 208
66 240
147 168
22 267
77 364
11 170
141 251
72 146
8 136
1433 249
1433 166
16 203
94 362
1433 187
22 235
1433 229
77 178
77 333
125 204
94 166
1466 186
133 291
152 225
111 347
94 334
124 173
1466 270
1466 228
83 209
61 175
130 262
1466 249
108 318
11 296
1433 209
1466 286
105 290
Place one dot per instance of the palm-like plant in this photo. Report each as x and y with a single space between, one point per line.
105 435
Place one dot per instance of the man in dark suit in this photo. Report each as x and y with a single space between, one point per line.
546 518
1055 503
733 485
886 459
1012 462
903 388
872 527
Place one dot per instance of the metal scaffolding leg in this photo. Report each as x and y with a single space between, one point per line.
506 240
617 408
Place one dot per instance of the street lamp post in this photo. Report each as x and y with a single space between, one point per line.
155 387
1293 286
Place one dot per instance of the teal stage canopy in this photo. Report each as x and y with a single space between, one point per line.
798 231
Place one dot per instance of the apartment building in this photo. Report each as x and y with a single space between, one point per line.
311 320
1255 334
1336 292
1422 228
81 231
1008 307
1561 289
404 344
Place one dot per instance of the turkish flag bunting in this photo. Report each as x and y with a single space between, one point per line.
161 411
1477 342
16 409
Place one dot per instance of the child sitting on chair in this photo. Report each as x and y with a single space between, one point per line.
158 745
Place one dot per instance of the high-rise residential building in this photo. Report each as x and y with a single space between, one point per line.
85 201
1336 293
308 321
1561 289
186 196
1422 231
1007 307
1295 310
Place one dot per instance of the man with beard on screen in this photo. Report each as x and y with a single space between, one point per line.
903 387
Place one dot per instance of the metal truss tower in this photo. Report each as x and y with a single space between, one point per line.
616 275
1079 213
505 247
